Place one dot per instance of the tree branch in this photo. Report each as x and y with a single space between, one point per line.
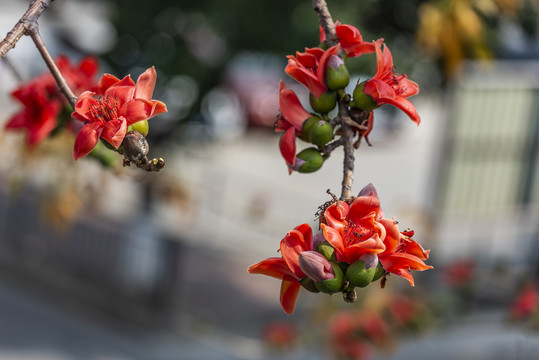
347 137
30 16
326 21
33 31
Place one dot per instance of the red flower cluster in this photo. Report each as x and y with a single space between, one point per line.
42 101
325 76
361 246
121 103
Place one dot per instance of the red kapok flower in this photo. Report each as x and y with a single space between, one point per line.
350 39
291 122
43 101
309 68
353 230
358 231
526 303
402 254
389 87
121 103
286 268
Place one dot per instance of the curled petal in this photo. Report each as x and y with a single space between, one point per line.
322 66
140 109
364 206
412 247
291 107
335 239
275 267
123 91
398 262
406 106
146 84
114 131
84 104
291 246
335 215
287 145
393 236
87 139
372 245
289 294
305 77
106 81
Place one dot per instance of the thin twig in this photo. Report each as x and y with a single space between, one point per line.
348 144
326 21
30 16
33 31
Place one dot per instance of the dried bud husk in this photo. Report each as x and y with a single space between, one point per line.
325 103
135 146
309 160
363 101
334 285
358 275
337 75
321 133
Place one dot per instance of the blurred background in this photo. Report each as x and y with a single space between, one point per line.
104 262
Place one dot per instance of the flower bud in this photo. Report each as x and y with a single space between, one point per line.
321 133
334 285
308 160
135 146
326 250
142 127
306 128
337 75
325 103
363 101
315 266
358 275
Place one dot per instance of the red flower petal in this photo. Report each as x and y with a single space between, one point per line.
87 139
289 294
291 107
291 246
275 267
335 216
123 91
141 109
84 104
146 84
287 145
106 81
114 131
335 239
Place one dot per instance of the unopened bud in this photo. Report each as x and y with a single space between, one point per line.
306 128
363 101
325 103
321 133
358 275
326 250
315 266
379 272
308 160
142 127
337 75
334 285
135 146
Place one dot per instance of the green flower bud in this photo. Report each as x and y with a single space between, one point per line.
334 285
337 75
326 249
325 103
306 129
363 101
308 160
141 127
321 133
358 275
309 285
